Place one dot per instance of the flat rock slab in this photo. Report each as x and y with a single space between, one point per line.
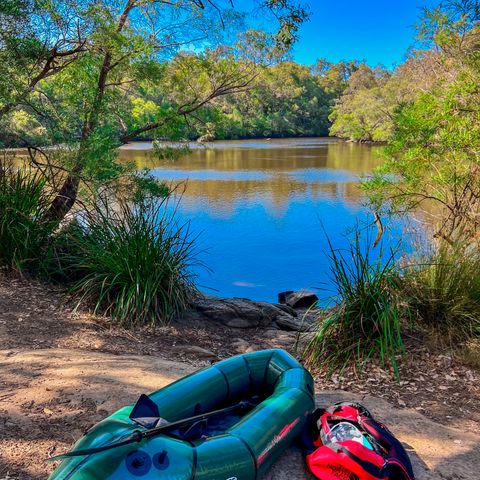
244 313
48 397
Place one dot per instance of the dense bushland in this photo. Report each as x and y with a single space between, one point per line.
284 100
429 112
442 66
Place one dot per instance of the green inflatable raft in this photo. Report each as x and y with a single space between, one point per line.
230 421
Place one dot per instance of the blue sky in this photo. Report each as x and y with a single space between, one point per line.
378 31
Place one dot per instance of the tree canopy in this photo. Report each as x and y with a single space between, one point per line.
433 156
92 75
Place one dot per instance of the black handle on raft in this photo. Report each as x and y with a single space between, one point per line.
138 435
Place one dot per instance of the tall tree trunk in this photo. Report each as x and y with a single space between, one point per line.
67 195
64 200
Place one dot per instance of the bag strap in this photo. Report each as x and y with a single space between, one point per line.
311 432
357 406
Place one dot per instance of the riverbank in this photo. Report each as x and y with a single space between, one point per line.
64 370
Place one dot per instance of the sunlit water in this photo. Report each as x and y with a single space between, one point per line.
263 209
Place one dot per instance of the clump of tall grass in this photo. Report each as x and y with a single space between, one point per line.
24 202
366 321
131 262
443 290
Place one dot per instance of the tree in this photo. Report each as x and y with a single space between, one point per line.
333 77
363 112
433 159
35 44
284 99
101 72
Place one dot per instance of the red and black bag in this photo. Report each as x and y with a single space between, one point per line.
344 442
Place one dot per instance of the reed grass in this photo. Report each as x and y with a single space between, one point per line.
132 263
24 201
366 321
443 290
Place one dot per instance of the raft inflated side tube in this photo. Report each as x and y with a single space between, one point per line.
244 451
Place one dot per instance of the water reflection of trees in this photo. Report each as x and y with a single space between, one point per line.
275 194
223 197
337 155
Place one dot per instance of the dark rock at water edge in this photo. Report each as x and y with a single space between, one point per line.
282 296
299 299
244 313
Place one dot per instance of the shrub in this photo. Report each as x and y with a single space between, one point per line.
133 263
367 318
444 290
24 201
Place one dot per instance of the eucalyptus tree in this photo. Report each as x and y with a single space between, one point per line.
104 72
37 41
433 160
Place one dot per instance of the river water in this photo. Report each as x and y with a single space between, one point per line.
264 208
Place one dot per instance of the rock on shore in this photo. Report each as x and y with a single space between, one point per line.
244 313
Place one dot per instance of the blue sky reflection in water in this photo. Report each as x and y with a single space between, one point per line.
263 209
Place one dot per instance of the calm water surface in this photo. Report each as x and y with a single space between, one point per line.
263 208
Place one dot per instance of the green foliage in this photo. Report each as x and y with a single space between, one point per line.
130 261
433 159
290 17
432 162
366 323
378 299
110 72
448 38
285 99
443 291
27 55
365 110
23 202
144 186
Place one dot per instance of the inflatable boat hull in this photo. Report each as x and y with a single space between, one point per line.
244 451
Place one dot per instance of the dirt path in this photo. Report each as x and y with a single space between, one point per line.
49 397
36 316
61 371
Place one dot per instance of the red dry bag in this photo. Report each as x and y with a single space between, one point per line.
344 442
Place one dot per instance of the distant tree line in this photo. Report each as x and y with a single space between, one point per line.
266 98
285 99
375 101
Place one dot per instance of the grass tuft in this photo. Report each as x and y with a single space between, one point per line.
132 263
444 290
367 318
24 201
